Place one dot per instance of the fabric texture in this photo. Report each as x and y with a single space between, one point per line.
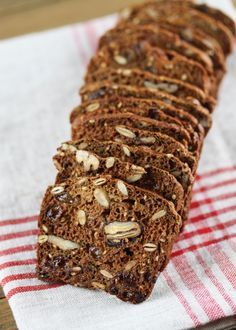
39 77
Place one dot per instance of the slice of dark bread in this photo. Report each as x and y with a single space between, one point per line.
106 90
77 163
132 136
177 14
157 37
130 53
115 237
146 108
140 78
100 123
140 156
202 41
218 15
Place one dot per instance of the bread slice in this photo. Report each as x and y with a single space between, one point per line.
157 37
106 90
136 77
100 123
146 108
175 14
132 136
140 156
114 237
74 163
130 53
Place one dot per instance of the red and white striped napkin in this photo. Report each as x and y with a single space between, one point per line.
39 78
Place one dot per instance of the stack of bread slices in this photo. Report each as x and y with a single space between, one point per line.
123 189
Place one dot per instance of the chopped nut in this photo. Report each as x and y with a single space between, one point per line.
88 160
99 182
125 132
130 265
81 217
82 145
63 244
120 230
45 228
42 239
126 150
126 72
150 247
68 147
169 88
110 161
184 76
120 60
174 197
93 107
134 177
152 12
97 285
101 197
106 273
57 164
149 139
159 214
57 190
122 187
76 269
157 258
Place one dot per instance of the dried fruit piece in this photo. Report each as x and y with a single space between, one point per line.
122 187
89 160
125 132
119 230
81 217
101 197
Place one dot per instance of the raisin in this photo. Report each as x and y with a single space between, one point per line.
113 290
95 252
138 297
126 279
65 198
53 212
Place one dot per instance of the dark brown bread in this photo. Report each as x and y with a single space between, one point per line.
146 108
73 163
115 237
157 37
176 132
176 14
202 41
131 53
106 90
132 136
139 78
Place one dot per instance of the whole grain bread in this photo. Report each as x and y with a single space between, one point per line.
115 237
157 37
131 53
73 163
106 90
132 136
137 77
175 14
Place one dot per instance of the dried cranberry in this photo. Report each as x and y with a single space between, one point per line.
126 279
95 252
113 290
53 212
139 297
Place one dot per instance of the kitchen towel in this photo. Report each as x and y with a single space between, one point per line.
39 79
